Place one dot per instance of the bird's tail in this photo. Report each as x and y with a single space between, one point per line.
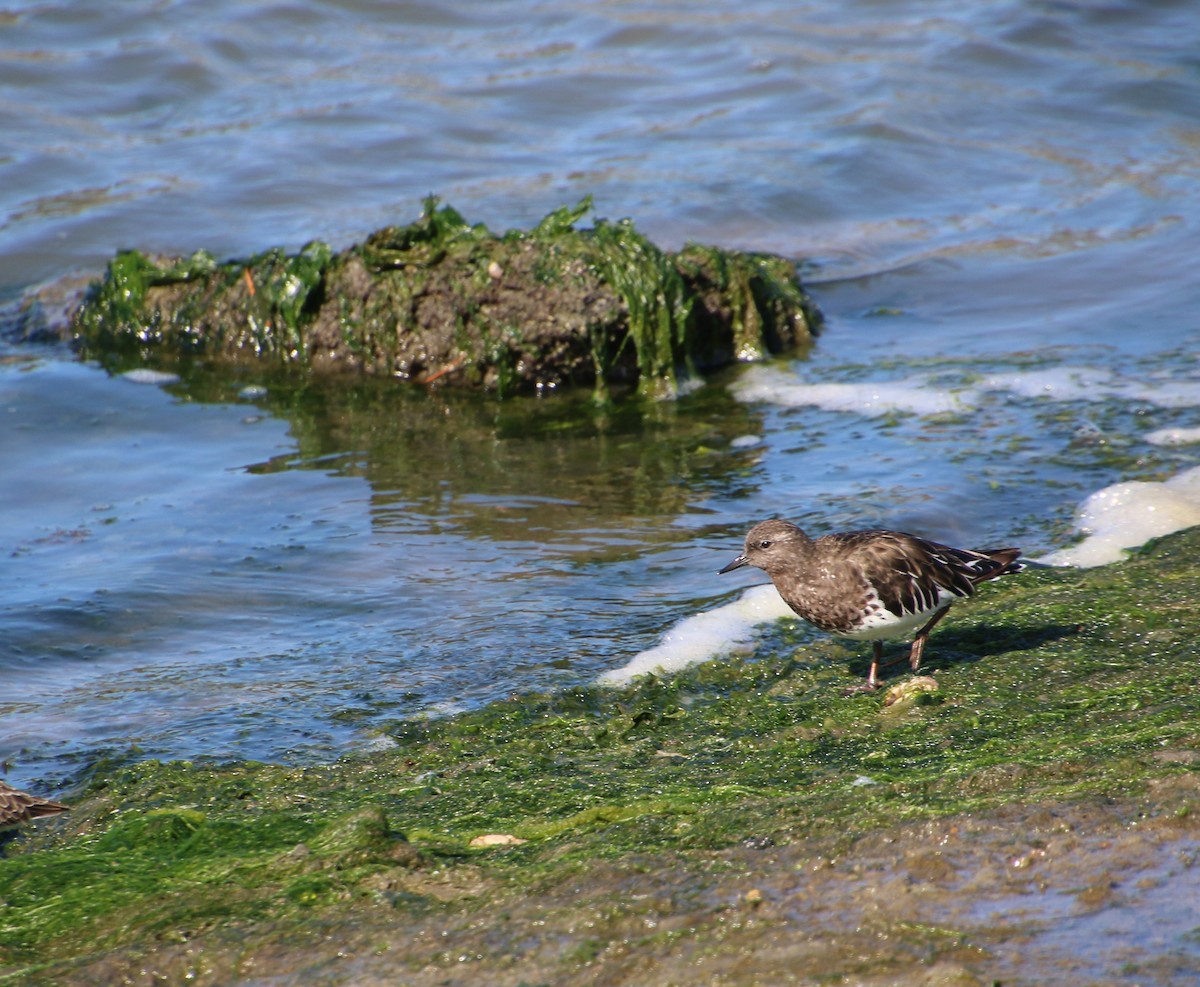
995 562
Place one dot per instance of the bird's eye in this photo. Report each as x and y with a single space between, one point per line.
765 543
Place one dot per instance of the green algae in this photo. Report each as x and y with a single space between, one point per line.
1054 686
124 315
658 306
441 299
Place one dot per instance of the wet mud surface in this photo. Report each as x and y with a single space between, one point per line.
1097 892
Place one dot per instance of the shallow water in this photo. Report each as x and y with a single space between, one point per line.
994 203
1135 933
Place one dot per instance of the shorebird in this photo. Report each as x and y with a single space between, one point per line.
870 585
20 807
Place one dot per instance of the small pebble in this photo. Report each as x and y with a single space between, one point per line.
910 689
496 839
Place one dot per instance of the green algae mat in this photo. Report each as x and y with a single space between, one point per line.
613 814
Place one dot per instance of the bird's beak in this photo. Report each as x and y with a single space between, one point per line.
737 563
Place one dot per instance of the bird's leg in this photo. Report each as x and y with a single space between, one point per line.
894 660
872 682
873 674
918 645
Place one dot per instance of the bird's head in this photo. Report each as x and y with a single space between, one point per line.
771 546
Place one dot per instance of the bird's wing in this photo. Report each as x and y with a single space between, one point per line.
913 575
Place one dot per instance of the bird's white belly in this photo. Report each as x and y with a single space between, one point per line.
879 623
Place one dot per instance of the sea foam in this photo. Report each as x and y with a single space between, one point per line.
1173 436
1125 515
922 395
1094 384
914 395
708 634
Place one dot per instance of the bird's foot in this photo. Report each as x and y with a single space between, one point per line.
854 690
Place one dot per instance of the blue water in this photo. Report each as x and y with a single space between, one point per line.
997 188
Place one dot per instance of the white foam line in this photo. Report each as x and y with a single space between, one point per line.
1093 384
1167 393
919 396
709 634
1174 436
774 386
1057 383
1126 515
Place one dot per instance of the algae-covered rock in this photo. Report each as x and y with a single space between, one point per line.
444 301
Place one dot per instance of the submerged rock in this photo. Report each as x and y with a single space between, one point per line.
444 301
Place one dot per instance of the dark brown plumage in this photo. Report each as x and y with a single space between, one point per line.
20 807
870 585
